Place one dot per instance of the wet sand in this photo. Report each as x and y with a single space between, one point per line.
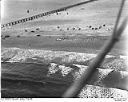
91 44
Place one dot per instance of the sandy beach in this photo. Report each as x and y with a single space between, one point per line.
39 57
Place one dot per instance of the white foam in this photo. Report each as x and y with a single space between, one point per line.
16 54
22 54
102 73
63 69
91 91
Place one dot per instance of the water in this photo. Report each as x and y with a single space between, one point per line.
30 80
25 74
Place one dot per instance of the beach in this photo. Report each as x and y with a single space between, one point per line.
43 57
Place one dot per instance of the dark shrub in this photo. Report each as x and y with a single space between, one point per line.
32 31
18 36
7 36
96 28
90 26
37 29
25 30
38 35
104 25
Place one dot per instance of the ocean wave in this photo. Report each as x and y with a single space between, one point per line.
99 78
13 55
91 91
63 72
57 69
46 56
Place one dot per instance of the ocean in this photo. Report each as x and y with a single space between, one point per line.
44 73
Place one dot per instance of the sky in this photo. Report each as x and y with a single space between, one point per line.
16 9
11 7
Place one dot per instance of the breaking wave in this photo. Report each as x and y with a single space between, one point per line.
40 73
